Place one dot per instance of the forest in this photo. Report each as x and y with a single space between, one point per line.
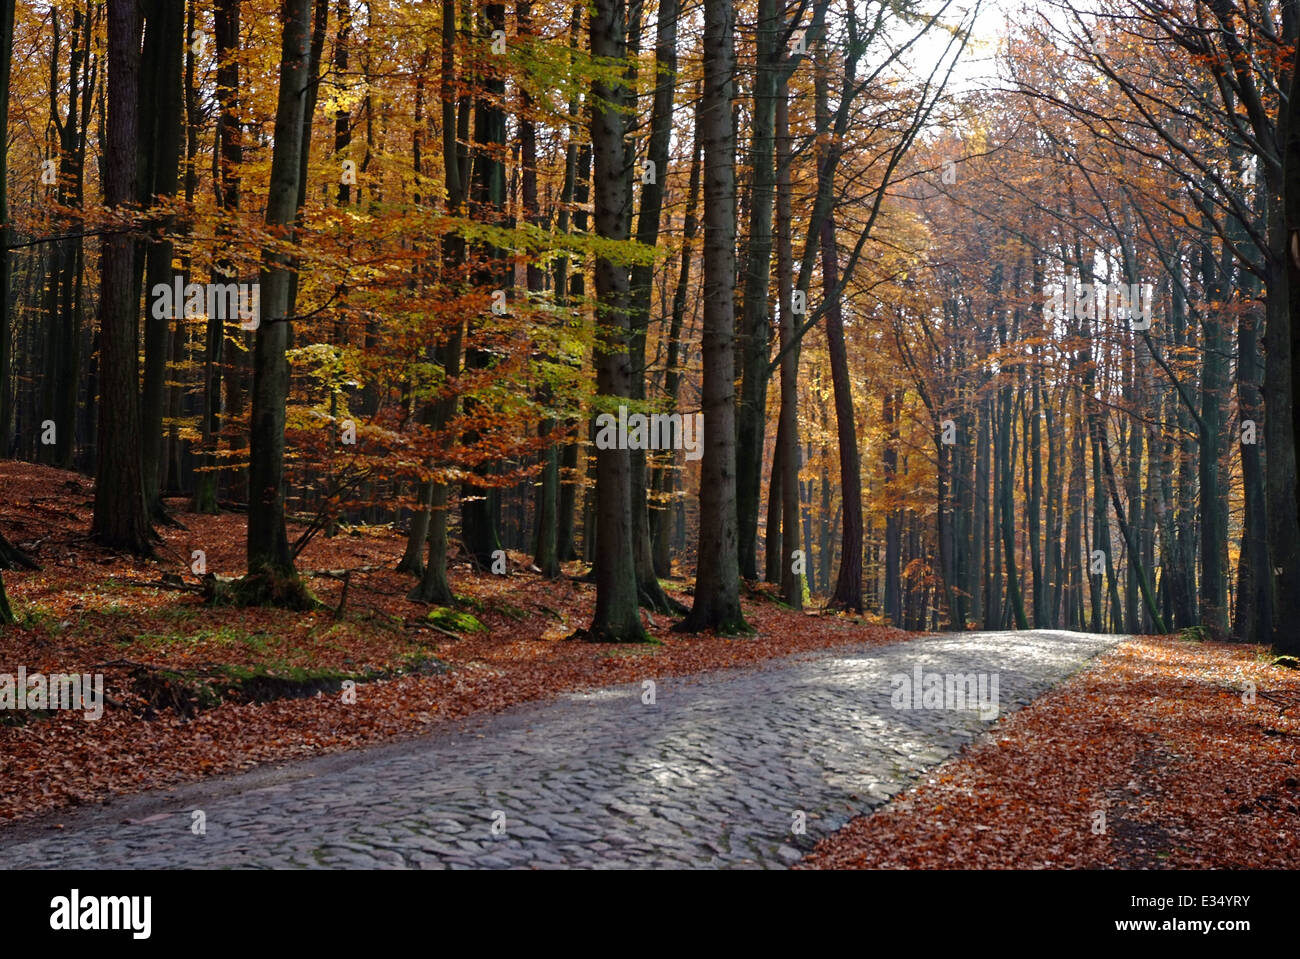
732 297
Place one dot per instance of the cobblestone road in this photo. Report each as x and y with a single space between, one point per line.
718 772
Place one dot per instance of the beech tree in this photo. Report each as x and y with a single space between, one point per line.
476 228
717 581
161 114
121 518
228 152
617 617
270 567
6 328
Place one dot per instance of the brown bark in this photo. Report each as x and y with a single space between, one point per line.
120 517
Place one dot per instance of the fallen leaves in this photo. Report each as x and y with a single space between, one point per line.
1142 761
86 609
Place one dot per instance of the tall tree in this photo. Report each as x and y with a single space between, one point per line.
480 505
774 64
5 60
434 586
664 480
121 518
787 436
269 562
717 577
617 617
6 326
576 158
647 233
229 157
1288 638
59 389
848 585
755 327
161 119
546 534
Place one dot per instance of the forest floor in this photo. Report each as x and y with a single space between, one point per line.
196 690
1157 756
1154 756
730 768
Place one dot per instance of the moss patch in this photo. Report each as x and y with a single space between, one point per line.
191 690
455 621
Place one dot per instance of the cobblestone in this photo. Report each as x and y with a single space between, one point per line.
711 776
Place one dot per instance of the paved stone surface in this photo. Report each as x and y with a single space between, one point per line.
716 773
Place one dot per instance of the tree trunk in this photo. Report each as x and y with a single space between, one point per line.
1282 422
1034 448
545 554
160 146
1135 555
793 582
268 548
225 358
121 519
755 327
848 586
434 587
575 458
1214 404
1254 598
1006 493
647 233
1279 437
664 480
717 578
6 235
480 505
617 617
62 317
772 525
894 518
